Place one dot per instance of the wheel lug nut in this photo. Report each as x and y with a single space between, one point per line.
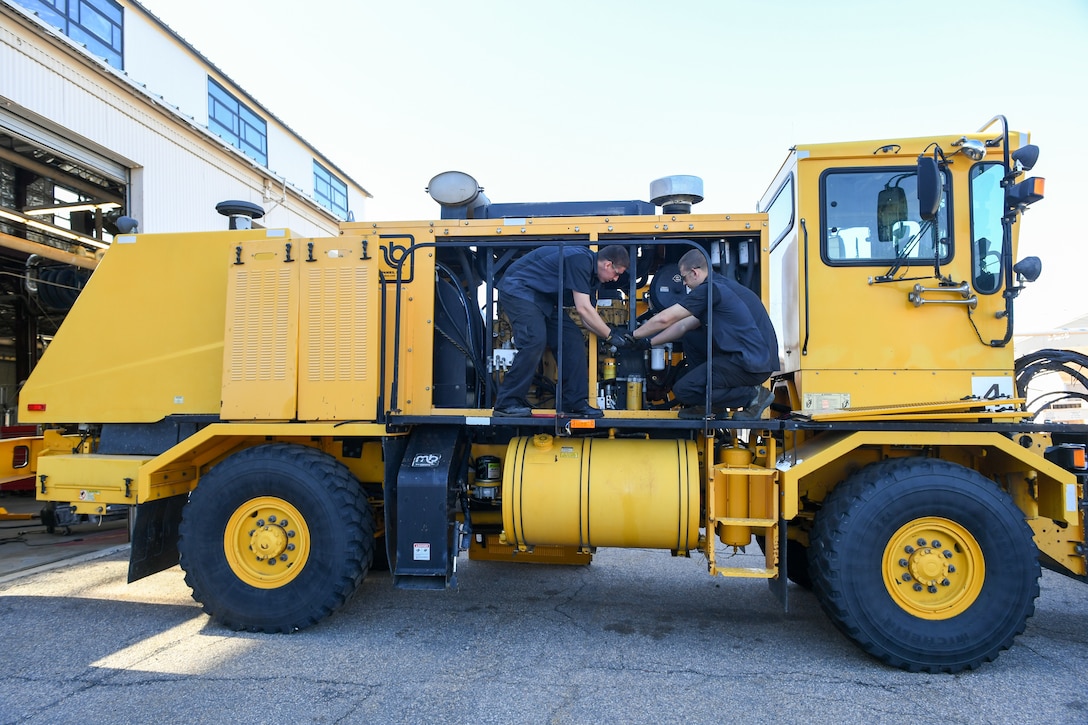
917 587
909 549
251 533
272 561
947 554
906 577
932 589
936 544
283 557
272 520
951 569
945 582
290 547
921 542
283 522
902 562
260 523
291 534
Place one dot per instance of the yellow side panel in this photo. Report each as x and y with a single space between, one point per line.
145 338
90 479
828 390
260 357
339 332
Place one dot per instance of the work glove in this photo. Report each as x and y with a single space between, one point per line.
616 337
637 343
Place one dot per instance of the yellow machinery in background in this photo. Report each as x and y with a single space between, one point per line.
279 401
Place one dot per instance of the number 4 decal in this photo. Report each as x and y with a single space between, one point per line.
992 388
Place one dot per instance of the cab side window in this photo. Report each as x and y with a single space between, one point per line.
870 218
780 213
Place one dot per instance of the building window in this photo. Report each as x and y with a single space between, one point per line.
330 192
97 24
237 124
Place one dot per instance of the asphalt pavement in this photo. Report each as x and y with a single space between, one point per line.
635 637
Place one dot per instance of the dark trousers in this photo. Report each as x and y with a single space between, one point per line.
731 385
534 330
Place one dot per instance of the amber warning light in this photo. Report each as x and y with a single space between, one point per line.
1025 193
35 407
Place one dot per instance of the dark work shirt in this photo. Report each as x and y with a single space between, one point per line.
535 275
741 325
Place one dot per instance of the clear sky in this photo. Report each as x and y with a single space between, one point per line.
559 100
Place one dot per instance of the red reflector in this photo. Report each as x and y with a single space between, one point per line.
32 407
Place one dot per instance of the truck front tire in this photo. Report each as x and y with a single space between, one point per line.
925 564
275 538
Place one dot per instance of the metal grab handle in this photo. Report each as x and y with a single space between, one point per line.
916 296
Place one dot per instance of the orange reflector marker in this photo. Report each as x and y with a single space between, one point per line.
35 407
583 423
1079 458
1025 193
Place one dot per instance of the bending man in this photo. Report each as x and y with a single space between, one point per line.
745 347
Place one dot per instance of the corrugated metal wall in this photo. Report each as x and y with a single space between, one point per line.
181 171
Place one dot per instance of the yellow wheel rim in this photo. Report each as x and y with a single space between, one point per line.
266 542
933 568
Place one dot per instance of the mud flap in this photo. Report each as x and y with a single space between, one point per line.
392 453
153 531
780 584
433 467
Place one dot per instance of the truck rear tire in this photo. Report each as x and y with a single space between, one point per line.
925 564
275 538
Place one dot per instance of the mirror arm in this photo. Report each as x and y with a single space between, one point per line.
1010 290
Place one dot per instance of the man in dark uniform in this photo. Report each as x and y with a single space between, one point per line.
745 347
529 295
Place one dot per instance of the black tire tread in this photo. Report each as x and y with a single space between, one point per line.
336 481
842 504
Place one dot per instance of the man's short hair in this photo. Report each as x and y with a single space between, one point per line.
692 259
616 254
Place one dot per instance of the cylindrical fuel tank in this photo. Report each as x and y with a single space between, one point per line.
601 492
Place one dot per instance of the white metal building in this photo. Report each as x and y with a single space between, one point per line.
106 113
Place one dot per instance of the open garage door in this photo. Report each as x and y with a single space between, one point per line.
59 205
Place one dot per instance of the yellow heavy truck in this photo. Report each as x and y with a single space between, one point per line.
284 414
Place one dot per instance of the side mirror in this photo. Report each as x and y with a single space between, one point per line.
1029 268
929 188
1027 156
891 209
